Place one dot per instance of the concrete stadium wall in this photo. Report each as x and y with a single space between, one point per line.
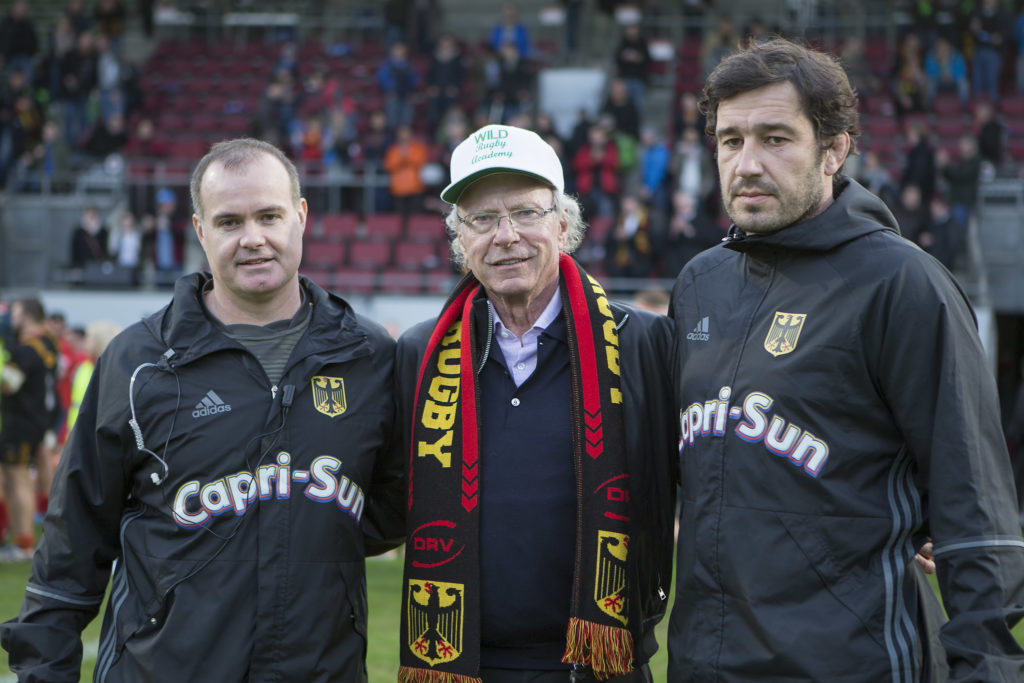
35 235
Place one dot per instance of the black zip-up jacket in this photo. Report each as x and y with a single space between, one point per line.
651 437
29 412
243 558
836 407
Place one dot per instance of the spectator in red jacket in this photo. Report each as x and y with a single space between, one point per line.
596 165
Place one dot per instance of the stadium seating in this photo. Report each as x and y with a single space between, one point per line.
200 91
340 226
599 228
416 255
384 226
322 254
425 227
439 281
355 280
401 281
370 255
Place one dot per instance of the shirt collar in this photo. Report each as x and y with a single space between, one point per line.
546 317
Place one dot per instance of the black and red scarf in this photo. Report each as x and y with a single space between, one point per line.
441 601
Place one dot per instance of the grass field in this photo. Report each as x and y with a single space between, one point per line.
384 578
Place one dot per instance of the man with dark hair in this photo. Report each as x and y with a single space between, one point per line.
837 408
233 461
542 441
28 412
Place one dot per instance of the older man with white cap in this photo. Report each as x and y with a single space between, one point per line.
542 444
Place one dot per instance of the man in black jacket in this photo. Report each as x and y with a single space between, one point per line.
233 461
837 408
542 444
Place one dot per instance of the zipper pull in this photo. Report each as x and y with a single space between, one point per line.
273 392
661 593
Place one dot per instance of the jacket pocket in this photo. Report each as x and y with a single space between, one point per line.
843 552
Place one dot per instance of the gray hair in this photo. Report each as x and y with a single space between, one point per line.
564 203
236 154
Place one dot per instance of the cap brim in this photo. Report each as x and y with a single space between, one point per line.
452 193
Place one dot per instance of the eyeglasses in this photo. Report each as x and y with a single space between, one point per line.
483 222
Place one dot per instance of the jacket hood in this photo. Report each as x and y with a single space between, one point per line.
182 325
854 213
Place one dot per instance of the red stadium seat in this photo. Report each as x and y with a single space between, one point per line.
355 280
426 227
217 101
920 119
949 128
171 121
401 282
946 105
187 149
205 121
876 54
337 226
323 254
878 105
439 281
880 125
366 254
690 48
384 226
416 255
1016 147
198 84
324 278
599 228
234 126
1013 106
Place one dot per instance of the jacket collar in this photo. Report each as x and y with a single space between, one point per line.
854 213
183 324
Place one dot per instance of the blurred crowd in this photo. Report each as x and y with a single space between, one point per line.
645 176
45 367
66 92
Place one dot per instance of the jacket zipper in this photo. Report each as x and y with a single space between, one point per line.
487 340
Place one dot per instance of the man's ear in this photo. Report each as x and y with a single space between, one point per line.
198 225
836 152
302 212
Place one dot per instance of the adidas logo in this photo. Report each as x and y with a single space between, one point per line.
211 405
700 333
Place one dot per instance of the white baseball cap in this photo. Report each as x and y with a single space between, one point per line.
502 149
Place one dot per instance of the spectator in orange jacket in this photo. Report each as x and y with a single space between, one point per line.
405 157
